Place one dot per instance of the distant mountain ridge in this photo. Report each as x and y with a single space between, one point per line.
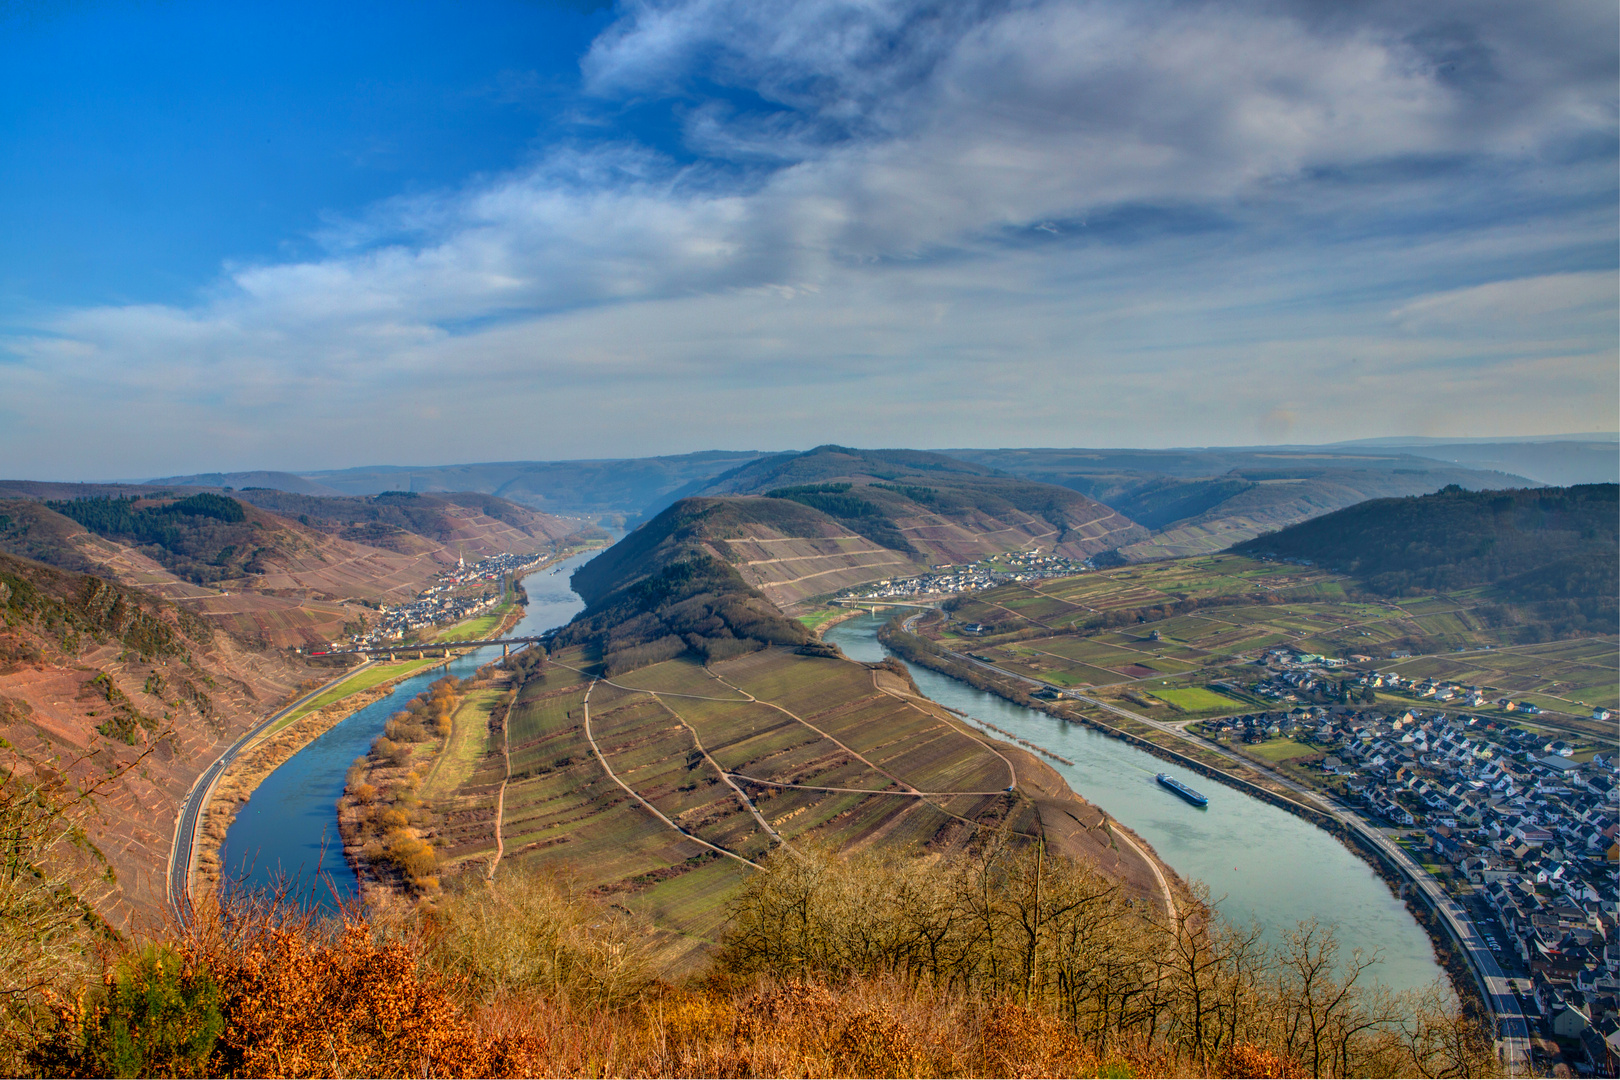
279 481
1200 501
586 487
1197 499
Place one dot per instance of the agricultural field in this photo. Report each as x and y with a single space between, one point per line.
1276 751
726 763
1157 635
1196 699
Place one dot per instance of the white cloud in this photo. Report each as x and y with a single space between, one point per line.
1065 209
1548 299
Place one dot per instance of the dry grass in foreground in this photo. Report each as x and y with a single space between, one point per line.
1003 962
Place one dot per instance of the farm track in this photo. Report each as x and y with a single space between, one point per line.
500 796
905 789
649 807
742 796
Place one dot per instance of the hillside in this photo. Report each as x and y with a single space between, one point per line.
1205 500
931 508
1539 544
411 523
681 728
93 674
589 488
268 578
669 587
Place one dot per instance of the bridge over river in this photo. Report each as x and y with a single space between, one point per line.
426 648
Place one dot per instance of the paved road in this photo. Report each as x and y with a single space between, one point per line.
183 852
1512 1029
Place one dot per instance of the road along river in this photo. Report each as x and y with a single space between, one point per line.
1260 863
289 826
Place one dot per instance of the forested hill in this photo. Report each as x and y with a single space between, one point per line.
1535 544
665 589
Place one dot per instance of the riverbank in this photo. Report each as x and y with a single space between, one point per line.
259 759
291 822
278 745
926 654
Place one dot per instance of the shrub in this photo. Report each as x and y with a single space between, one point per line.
159 1016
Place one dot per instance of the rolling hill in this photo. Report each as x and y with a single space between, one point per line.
931 508
1532 544
1204 500
670 587
266 577
710 574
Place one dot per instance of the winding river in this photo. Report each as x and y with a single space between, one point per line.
1260 863
288 830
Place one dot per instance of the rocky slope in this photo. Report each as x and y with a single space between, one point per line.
98 678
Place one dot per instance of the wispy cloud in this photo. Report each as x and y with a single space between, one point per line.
1138 222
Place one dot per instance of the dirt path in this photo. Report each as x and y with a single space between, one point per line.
650 808
500 796
1153 864
742 796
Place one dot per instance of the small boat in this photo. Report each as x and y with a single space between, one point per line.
1181 789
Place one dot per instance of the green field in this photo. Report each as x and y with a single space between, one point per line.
1275 750
468 743
1189 604
475 629
1197 699
361 680
815 619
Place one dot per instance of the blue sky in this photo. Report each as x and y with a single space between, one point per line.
303 236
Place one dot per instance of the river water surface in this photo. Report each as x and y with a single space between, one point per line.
1260 863
289 829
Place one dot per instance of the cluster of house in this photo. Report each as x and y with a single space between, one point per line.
1526 828
1256 727
948 578
1473 697
450 600
495 568
1296 674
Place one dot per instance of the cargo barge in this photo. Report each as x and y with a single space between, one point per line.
1181 789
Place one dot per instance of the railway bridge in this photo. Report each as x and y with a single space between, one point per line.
393 652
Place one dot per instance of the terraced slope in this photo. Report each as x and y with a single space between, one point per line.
263 576
929 507
660 787
94 674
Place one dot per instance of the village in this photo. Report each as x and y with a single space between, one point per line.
457 594
1520 825
948 579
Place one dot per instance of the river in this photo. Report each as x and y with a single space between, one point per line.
1260 863
288 829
